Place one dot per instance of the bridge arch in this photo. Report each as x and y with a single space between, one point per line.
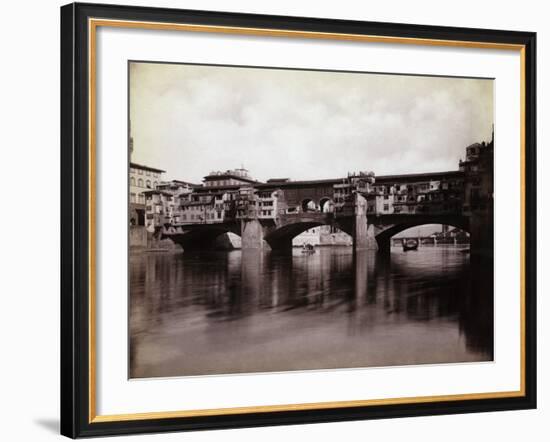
198 237
386 232
281 237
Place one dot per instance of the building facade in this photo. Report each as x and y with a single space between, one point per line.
478 177
418 194
142 179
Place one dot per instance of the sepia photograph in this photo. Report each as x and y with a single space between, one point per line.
290 219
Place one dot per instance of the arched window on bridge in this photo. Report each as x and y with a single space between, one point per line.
308 205
140 182
326 205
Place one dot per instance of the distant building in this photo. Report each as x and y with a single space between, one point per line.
452 235
205 208
159 209
417 193
478 177
163 204
343 196
323 236
142 179
262 204
177 187
235 177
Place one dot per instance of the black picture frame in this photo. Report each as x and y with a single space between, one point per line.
75 220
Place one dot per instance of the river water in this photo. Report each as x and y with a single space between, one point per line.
234 312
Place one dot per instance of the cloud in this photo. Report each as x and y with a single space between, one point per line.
190 120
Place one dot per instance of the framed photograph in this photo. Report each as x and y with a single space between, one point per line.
274 220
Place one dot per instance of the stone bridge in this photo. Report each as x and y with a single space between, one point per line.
368 231
271 214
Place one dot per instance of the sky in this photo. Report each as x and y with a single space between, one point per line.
190 120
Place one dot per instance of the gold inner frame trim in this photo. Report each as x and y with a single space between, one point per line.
93 24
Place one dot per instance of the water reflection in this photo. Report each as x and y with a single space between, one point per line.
229 312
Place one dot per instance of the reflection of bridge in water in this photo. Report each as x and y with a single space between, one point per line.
251 311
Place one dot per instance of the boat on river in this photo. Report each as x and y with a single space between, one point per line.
410 244
308 249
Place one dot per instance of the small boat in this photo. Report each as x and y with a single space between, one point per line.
410 244
308 248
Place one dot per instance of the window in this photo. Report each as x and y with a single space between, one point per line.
141 199
386 207
155 184
140 172
148 184
132 197
148 173
140 182
132 181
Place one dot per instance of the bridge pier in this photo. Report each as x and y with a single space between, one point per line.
364 237
481 234
384 247
252 235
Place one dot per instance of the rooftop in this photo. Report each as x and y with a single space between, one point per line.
156 192
142 167
418 176
228 174
178 182
217 189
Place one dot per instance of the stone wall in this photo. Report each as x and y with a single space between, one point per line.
137 237
154 243
140 239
